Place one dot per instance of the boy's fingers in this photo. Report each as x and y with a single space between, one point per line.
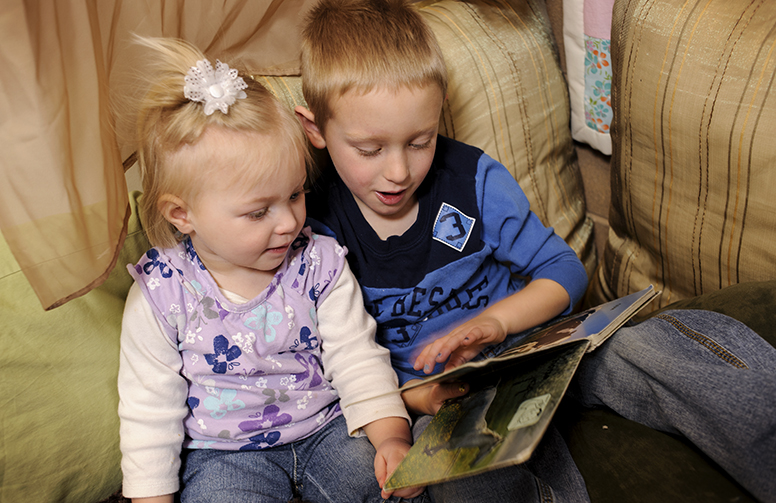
422 361
442 349
449 390
458 359
455 389
429 357
448 344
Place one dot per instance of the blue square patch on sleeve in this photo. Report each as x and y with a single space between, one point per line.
452 227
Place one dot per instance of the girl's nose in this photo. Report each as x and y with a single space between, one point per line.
287 221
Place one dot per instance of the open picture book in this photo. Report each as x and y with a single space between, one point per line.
512 397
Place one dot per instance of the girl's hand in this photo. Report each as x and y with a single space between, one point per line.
462 344
389 454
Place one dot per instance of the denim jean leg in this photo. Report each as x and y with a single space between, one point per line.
549 476
699 374
212 476
336 468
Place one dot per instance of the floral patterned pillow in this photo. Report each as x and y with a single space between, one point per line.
586 38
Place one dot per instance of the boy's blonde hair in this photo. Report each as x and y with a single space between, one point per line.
363 44
168 121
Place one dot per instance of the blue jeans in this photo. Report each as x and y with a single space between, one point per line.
549 476
325 467
698 374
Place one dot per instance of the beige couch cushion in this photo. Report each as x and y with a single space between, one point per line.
508 97
693 179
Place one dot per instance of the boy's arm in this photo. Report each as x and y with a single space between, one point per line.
518 238
540 301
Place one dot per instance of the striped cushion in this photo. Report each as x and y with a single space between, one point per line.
508 96
693 178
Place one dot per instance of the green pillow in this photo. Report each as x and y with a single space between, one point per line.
58 369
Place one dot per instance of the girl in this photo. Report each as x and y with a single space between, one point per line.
244 338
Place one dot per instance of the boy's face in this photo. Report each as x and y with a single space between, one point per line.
382 144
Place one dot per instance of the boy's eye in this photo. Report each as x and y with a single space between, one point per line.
368 153
420 146
297 195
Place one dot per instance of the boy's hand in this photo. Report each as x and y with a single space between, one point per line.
540 300
389 454
462 344
428 399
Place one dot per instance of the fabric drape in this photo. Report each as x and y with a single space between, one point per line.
69 73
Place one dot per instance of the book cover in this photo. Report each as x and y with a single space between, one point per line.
512 397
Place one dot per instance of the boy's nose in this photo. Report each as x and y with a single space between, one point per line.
397 169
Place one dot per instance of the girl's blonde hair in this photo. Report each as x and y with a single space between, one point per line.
168 121
363 44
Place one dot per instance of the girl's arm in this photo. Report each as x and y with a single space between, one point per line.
155 499
392 438
360 370
356 365
152 403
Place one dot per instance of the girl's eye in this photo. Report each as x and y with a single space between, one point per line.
297 195
256 215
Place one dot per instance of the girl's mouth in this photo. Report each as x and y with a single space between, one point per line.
278 249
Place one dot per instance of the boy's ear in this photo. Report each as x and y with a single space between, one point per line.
307 119
175 210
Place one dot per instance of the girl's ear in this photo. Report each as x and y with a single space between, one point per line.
307 119
176 211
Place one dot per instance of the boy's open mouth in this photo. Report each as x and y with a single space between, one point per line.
391 198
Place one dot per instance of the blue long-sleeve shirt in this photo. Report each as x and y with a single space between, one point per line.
475 241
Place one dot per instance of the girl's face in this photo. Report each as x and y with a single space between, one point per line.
244 219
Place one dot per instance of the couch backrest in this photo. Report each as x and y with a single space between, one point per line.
693 178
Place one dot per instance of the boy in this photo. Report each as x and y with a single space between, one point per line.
382 139
451 260
400 185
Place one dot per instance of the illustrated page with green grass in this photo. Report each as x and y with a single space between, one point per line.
498 423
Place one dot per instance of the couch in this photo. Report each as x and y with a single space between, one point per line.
682 202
